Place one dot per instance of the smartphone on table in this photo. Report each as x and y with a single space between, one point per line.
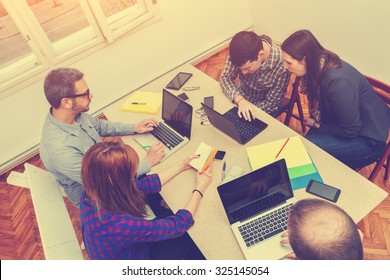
219 155
209 101
324 191
183 96
179 80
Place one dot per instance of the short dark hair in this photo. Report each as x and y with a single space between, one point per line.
60 83
244 47
319 230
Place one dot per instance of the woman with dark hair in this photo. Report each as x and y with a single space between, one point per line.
347 118
113 208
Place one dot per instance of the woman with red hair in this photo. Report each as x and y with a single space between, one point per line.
113 209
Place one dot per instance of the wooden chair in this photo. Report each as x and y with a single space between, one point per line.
288 104
383 91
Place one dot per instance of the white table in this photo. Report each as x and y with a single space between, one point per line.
211 231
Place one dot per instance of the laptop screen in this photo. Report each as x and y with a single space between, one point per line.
229 123
177 113
257 191
220 122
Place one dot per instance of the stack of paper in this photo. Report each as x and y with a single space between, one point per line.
301 169
143 102
206 155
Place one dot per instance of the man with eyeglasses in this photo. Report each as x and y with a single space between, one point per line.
68 131
254 74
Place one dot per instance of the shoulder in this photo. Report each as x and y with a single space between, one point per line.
346 72
86 118
275 59
54 134
344 76
229 66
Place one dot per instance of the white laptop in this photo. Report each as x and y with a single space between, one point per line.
257 206
174 130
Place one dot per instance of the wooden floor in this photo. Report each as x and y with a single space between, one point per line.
19 234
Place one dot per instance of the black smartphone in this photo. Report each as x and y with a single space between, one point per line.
179 80
323 190
183 96
209 101
219 155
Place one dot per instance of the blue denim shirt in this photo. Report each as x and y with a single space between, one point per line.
63 146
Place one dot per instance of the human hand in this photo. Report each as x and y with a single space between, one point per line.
203 180
155 153
309 122
145 125
186 162
286 242
245 110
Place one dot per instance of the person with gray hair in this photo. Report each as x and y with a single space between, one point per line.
319 230
68 131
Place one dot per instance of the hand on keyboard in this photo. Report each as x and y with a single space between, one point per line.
155 153
284 241
245 110
145 125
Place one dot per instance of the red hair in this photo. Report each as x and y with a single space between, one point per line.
108 173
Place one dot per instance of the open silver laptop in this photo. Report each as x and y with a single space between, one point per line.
174 130
232 125
257 206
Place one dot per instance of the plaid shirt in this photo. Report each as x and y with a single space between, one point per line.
120 236
265 88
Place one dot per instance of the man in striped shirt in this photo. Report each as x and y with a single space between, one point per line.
254 74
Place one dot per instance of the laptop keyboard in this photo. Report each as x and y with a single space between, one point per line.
255 207
246 129
166 136
265 227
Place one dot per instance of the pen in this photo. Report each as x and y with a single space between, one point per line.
191 88
281 149
223 170
138 103
146 147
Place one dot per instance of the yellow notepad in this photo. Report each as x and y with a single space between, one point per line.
206 153
294 152
143 102
301 169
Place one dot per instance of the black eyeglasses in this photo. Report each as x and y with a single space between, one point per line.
78 95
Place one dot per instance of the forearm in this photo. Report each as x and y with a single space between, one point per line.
228 82
333 128
193 203
202 182
107 128
238 98
338 130
168 174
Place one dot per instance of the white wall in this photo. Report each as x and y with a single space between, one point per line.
187 28
358 31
